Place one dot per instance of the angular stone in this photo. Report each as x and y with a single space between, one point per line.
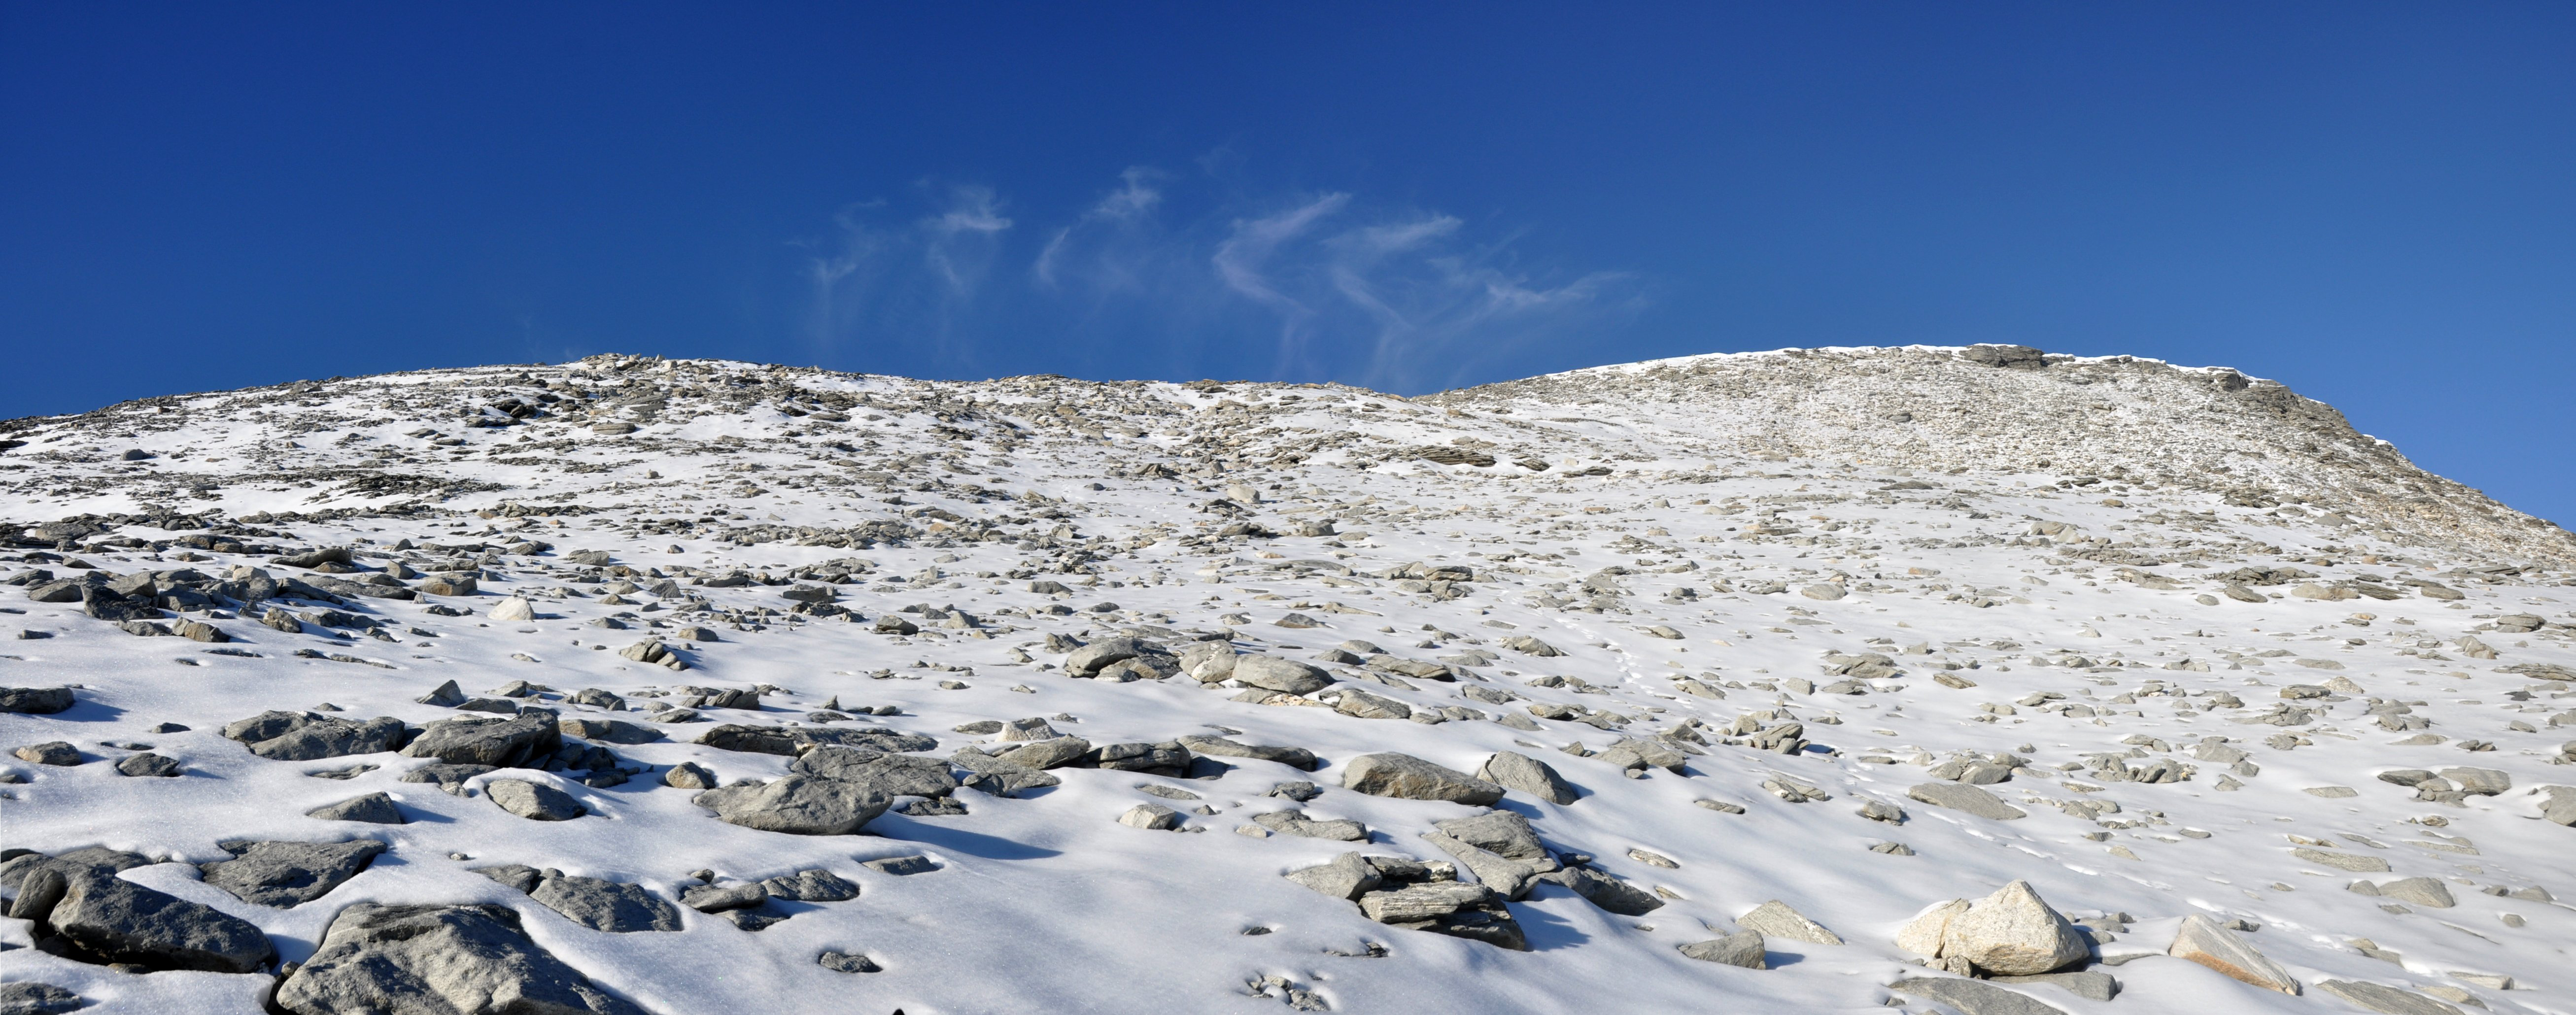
1297 823
1742 948
1346 877
1960 796
1286 676
1046 754
110 919
513 609
1411 778
2479 781
286 874
373 808
890 774
35 700
1293 757
615 731
59 753
819 885
718 898
1529 775
1090 659
304 736
2202 940
446 960
1609 893
2428 892
797 805
522 742
600 904
534 801
1974 997
2013 932
2086 984
2385 999
1776 919
149 764
1153 817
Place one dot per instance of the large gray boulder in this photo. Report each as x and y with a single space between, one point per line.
1286 676
284 874
1528 775
1403 775
523 741
797 805
890 774
109 919
305 736
438 960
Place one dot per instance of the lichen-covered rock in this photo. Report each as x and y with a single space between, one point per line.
465 960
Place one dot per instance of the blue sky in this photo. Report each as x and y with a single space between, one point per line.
2370 202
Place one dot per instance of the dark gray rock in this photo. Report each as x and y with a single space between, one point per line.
285 874
845 962
373 808
306 736
615 731
522 742
819 885
448 777
438 960
1297 823
797 805
890 774
149 764
59 753
104 918
1609 893
35 700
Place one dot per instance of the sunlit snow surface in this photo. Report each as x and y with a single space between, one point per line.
1047 903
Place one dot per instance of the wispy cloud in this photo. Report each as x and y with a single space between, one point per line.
1310 287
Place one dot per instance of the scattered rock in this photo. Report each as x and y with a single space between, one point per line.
1742 948
286 874
373 808
468 960
1411 778
1776 919
534 801
2202 940
796 805
1528 775
1960 796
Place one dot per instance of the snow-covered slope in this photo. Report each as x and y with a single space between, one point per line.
1859 631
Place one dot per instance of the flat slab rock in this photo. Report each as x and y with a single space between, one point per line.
467 960
1411 778
286 874
1960 796
1974 997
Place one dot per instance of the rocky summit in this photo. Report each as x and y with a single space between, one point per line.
1977 680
